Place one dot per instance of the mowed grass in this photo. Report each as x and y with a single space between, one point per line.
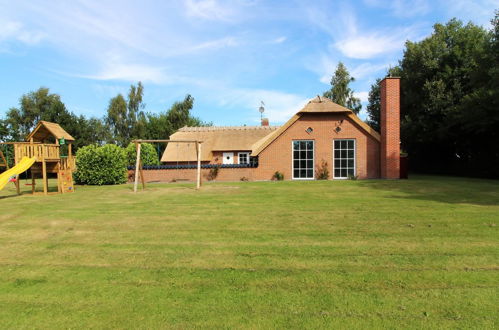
419 253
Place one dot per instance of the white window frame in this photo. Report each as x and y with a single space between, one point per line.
247 157
354 159
293 159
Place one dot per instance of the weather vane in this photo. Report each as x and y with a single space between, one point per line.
261 109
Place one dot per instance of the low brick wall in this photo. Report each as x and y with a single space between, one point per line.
189 174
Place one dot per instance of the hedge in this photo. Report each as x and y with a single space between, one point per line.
148 154
101 165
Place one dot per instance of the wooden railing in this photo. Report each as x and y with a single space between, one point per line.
39 151
68 163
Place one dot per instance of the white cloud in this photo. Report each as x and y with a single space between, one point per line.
279 40
402 8
366 69
16 31
279 106
215 44
209 10
363 96
372 45
479 11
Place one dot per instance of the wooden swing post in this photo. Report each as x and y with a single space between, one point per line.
138 161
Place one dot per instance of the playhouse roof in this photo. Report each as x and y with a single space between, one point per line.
225 138
45 129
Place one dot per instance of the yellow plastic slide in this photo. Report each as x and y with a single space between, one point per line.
23 165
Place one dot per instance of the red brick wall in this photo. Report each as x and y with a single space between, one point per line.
189 175
277 156
390 128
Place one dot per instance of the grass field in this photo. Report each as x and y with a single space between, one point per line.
421 253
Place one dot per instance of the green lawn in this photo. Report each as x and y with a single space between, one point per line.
420 253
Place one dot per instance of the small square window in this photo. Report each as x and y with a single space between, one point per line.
310 130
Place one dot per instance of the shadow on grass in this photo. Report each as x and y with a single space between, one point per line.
441 189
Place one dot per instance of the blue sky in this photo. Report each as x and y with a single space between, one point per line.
229 55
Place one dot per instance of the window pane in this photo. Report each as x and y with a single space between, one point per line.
303 154
343 144
310 174
303 173
310 154
302 145
310 145
344 154
350 163
337 144
337 154
296 163
296 154
344 163
337 173
337 163
303 164
350 144
344 173
350 172
310 164
350 153
296 173
296 145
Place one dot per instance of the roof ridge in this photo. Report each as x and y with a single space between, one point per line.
224 128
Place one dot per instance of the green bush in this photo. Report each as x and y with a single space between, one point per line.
148 154
101 165
278 176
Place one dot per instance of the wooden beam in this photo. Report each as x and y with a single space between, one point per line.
198 179
164 141
137 164
44 177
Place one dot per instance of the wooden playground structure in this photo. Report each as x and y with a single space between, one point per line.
44 145
138 162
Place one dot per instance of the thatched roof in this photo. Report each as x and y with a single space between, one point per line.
228 138
247 138
46 129
323 105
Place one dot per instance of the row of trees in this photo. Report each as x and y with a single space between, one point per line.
124 121
449 99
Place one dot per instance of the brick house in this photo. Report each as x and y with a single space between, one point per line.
323 133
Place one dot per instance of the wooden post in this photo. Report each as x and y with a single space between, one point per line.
198 179
141 172
137 165
70 156
44 176
32 182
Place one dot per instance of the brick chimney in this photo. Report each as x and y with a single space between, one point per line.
265 122
390 128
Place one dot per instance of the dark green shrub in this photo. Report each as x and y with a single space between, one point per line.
101 165
278 176
148 154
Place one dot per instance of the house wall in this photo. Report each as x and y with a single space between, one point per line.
278 155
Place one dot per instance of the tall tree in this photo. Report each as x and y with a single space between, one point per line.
437 78
374 106
36 106
126 117
340 91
